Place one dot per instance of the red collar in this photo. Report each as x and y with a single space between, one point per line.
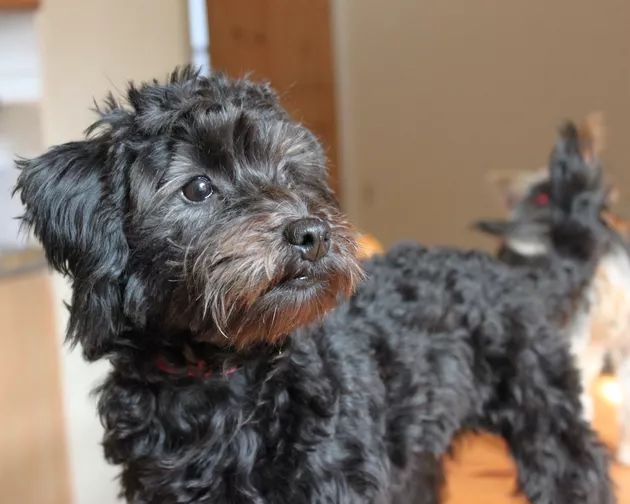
197 369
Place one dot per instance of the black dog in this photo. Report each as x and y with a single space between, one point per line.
205 247
599 332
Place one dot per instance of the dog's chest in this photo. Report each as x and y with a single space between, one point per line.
604 320
611 319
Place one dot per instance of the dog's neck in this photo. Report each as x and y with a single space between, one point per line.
184 358
513 257
194 367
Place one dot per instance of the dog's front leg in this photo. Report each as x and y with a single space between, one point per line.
561 463
589 360
537 409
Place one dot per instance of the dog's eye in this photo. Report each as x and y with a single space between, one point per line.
198 189
541 199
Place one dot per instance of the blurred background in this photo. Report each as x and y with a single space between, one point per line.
415 102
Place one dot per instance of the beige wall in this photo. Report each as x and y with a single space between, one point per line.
89 47
92 46
434 93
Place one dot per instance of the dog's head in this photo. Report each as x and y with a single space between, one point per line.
197 208
534 197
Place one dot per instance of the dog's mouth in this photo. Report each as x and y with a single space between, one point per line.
294 294
300 280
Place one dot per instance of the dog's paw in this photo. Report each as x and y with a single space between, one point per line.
623 454
588 408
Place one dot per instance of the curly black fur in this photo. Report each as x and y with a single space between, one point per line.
356 406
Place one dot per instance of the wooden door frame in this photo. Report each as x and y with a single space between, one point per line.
288 43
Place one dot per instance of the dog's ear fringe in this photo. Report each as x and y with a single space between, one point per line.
586 139
69 206
592 137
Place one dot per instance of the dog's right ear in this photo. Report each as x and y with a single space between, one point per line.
73 203
500 228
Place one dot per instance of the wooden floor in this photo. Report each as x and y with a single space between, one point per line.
481 472
33 467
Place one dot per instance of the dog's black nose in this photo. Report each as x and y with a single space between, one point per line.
310 236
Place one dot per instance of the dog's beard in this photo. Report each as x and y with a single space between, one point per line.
248 287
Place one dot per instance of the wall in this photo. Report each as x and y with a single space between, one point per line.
434 94
19 111
19 133
88 48
19 62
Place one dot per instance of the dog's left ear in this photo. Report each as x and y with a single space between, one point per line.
513 186
74 203
499 228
